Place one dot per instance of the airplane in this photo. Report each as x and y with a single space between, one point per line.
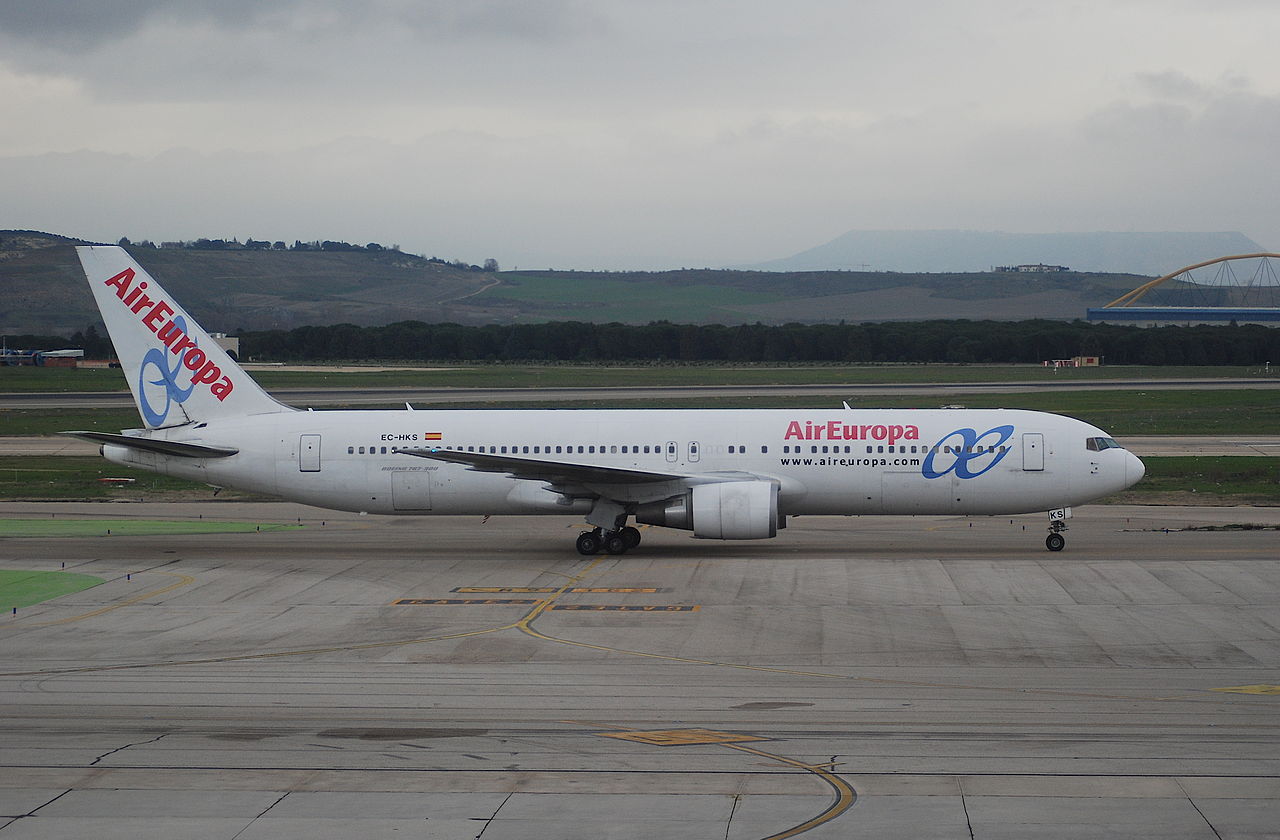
727 474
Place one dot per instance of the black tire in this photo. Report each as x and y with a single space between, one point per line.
615 544
588 543
1055 542
631 535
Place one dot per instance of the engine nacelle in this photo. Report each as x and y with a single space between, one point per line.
730 510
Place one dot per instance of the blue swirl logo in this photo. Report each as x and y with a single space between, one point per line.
157 360
967 453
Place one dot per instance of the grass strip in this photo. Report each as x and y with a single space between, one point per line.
25 589
1237 479
67 527
25 422
67 477
1254 411
455 375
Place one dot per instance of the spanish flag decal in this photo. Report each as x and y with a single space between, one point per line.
433 436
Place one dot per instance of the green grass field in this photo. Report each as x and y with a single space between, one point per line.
1121 412
70 527
600 299
25 589
64 478
32 379
1236 479
17 422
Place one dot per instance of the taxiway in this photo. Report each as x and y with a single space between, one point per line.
882 677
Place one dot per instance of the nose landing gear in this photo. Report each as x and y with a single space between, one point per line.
1057 524
1055 541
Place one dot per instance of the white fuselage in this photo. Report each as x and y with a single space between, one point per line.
843 462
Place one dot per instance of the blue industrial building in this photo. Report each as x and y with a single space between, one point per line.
1170 315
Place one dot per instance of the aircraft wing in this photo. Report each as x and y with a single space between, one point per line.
162 447
554 472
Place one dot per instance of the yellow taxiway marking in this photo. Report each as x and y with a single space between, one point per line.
604 590
545 604
248 657
681 737
525 625
183 581
542 605
645 608
669 608
437 602
845 795
1249 689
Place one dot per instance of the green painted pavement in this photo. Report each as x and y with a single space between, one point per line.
23 588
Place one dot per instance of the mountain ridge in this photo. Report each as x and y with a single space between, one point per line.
227 290
1151 253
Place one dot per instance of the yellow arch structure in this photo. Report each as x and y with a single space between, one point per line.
1129 298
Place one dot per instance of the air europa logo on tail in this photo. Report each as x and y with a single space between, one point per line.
155 316
836 430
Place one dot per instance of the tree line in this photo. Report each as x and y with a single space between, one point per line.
328 245
961 341
977 342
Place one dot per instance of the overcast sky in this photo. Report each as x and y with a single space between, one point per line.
644 134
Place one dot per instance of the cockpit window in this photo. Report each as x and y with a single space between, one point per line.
1097 444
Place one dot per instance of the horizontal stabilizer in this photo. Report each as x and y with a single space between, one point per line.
161 447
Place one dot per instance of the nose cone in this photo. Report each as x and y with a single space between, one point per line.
1134 469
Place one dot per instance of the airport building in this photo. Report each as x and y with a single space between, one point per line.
1241 289
1161 316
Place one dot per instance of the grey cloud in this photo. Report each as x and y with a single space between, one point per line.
442 52
69 24
1171 84
546 20
79 18
76 24
599 133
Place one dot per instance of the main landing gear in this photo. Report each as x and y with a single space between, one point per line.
610 542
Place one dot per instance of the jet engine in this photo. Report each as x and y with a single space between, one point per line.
729 510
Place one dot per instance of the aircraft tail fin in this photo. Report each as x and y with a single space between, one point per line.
178 374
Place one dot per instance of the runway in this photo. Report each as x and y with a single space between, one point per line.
318 397
453 678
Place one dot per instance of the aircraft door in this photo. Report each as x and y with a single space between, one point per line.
309 453
1032 451
693 451
672 451
411 490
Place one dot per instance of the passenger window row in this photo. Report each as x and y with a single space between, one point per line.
895 449
520 449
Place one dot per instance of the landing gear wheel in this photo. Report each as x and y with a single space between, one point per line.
1055 542
589 543
615 543
631 536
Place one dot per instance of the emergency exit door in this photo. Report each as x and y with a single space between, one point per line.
309 453
1032 451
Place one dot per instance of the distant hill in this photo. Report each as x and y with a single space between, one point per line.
965 250
735 297
44 291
